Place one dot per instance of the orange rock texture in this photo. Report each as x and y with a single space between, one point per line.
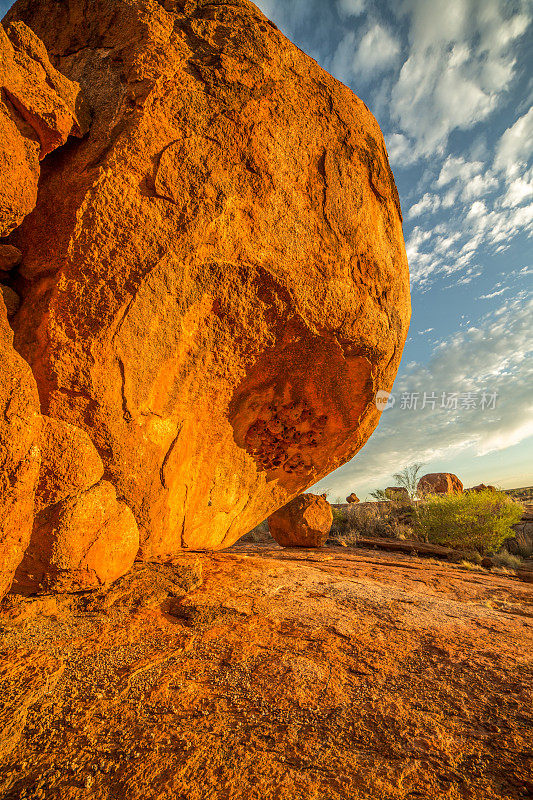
84 542
352 498
39 108
20 427
71 463
439 483
304 522
270 674
215 276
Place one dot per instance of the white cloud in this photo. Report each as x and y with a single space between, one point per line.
519 190
401 151
500 224
451 246
361 59
459 66
496 293
472 177
377 51
342 62
515 147
456 168
352 7
492 356
449 198
479 185
428 204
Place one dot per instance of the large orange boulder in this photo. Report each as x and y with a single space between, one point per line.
217 282
439 483
304 522
39 108
20 458
84 542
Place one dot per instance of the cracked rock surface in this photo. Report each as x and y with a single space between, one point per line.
39 109
261 674
214 281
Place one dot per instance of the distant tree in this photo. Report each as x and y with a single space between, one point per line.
407 478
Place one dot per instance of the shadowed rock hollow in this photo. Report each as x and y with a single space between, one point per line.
214 279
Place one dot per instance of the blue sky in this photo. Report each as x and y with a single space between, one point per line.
451 84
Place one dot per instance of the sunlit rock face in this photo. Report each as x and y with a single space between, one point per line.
215 280
439 483
39 109
303 522
20 456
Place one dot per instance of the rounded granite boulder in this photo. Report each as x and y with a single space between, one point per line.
439 483
215 279
304 522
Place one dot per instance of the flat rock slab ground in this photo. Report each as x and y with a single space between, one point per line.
260 673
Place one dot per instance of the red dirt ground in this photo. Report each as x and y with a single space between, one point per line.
266 674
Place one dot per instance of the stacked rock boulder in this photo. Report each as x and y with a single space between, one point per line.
213 280
46 465
39 109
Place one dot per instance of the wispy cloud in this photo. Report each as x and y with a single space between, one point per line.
401 151
492 356
428 203
365 57
515 147
496 293
459 66
352 7
377 51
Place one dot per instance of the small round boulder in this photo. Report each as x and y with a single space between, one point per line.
352 498
304 522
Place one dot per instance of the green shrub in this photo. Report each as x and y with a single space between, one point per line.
473 520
